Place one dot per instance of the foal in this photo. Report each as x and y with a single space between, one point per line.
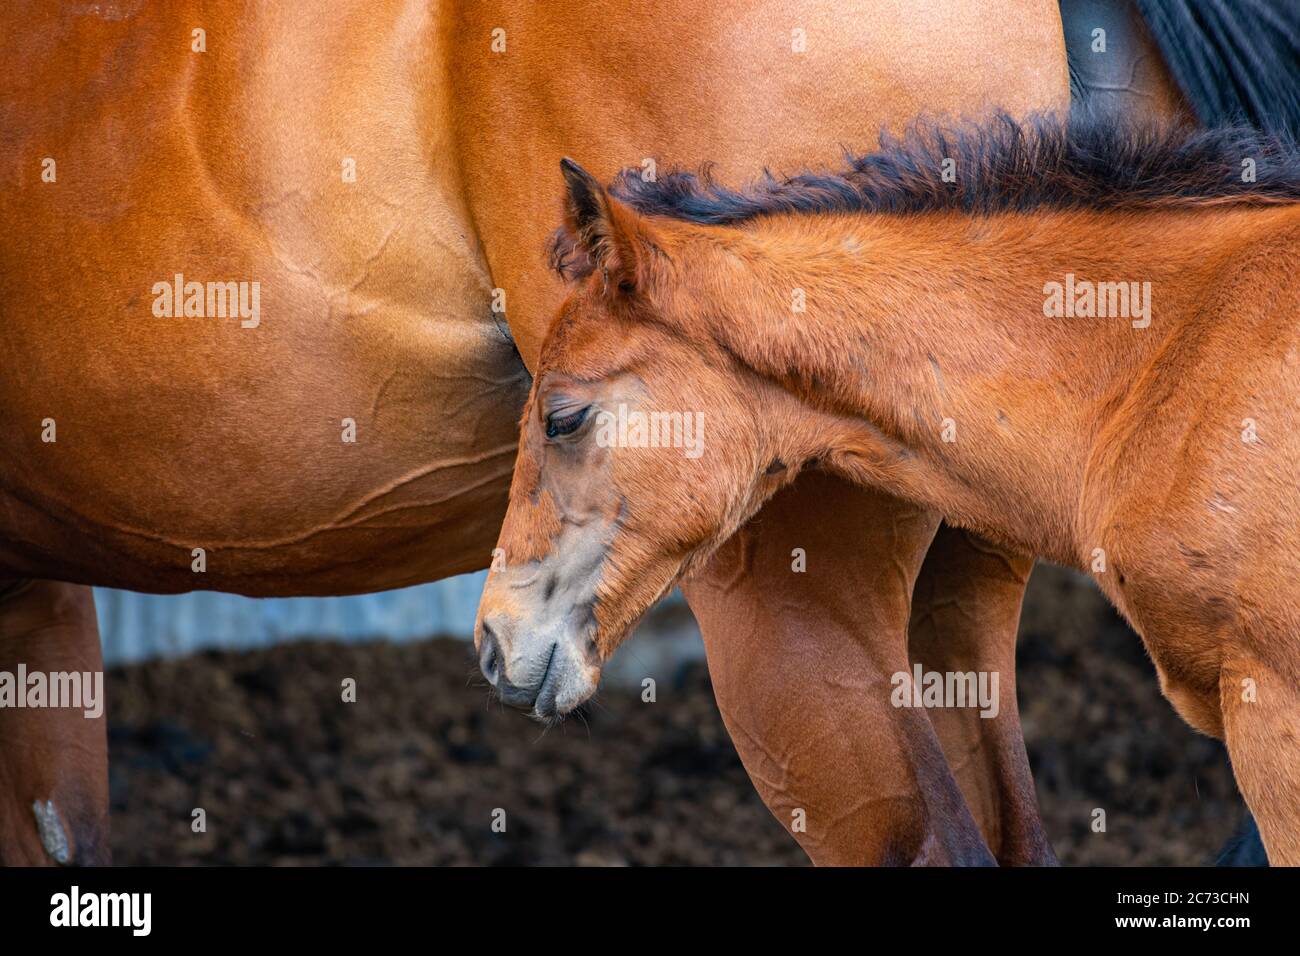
1081 343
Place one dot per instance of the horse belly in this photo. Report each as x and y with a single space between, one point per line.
249 338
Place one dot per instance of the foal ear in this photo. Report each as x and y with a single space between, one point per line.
610 233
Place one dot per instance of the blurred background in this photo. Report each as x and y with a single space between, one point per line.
233 705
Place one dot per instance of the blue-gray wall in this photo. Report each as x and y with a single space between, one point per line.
136 627
139 626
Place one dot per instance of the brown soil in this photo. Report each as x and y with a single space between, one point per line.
413 771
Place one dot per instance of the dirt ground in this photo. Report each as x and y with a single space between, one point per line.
412 772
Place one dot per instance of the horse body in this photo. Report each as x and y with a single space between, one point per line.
175 433
780 89
931 359
1203 526
183 433
179 433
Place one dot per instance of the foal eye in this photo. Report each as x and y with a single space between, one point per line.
565 424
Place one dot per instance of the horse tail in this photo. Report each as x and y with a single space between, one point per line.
1244 848
1236 61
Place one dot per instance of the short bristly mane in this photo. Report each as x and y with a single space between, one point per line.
1001 165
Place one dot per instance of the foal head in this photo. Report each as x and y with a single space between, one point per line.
642 448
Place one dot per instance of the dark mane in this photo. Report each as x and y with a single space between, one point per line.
1087 161
1002 165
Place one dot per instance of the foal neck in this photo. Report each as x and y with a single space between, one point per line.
928 355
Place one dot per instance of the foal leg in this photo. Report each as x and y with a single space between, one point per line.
802 661
965 612
1261 721
53 761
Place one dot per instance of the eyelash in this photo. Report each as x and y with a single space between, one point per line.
567 425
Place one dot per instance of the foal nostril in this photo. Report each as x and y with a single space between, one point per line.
489 655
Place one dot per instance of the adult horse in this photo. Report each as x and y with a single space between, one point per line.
348 163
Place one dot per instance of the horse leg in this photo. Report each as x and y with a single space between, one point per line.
1260 704
965 611
53 761
802 661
